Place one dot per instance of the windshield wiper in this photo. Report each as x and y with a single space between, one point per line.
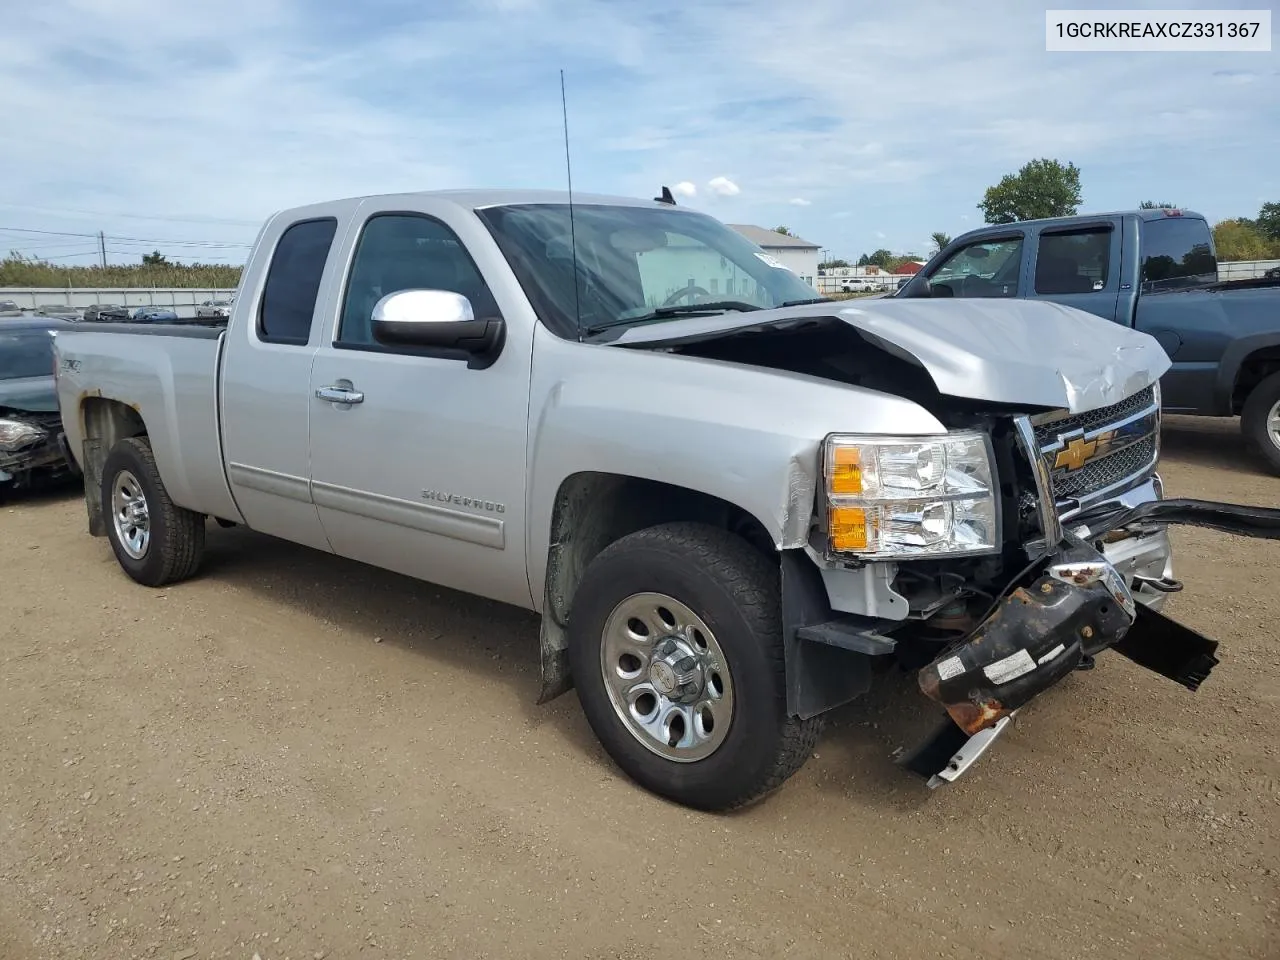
675 310
801 303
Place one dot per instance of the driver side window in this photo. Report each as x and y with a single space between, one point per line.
988 268
406 251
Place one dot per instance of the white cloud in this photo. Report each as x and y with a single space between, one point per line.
879 235
800 202
723 187
685 189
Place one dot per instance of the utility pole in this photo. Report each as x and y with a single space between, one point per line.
102 248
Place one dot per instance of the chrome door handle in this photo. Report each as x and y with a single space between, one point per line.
339 395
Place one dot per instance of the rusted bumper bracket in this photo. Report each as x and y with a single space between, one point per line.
1036 635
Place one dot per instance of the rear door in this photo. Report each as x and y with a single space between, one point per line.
1079 266
266 379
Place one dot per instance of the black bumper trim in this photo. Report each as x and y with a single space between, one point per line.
1168 648
1233 518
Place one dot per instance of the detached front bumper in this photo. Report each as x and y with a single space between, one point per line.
1080 603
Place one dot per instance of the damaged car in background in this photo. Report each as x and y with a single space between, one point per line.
735 505
31 439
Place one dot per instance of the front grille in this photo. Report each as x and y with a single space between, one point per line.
1100 451
1132 461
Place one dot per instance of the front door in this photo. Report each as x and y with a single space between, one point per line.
417 461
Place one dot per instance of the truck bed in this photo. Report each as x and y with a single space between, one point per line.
168 375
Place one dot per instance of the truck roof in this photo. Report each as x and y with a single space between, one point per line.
472 199
1159 213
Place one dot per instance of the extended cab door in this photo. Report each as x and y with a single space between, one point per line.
1079 266
418 460
265 394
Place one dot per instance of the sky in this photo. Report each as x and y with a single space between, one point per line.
181 126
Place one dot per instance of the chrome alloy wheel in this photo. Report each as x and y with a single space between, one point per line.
667 677
130 515
1273 424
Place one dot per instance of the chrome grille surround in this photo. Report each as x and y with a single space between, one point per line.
1100 453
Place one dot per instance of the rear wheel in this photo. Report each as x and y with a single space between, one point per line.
675 641
1260 420
155 541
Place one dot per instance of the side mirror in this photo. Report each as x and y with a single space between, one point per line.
436 319
917 286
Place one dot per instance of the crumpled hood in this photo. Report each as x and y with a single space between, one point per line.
1029 352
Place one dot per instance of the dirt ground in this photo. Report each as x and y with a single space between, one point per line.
296 756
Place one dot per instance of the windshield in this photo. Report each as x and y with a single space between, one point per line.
632 261
26 355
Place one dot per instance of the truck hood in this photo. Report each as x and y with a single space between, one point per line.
1022 352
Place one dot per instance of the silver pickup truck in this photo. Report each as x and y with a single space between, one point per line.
733 503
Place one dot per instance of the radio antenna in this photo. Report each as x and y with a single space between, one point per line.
573 236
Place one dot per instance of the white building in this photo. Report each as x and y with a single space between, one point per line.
797 255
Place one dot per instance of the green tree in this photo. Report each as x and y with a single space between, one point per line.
1042 188
832 264
784 231
155 259
940 240
1152 205
1242 240
881 258
1268 222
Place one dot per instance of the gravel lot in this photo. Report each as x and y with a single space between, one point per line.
298 756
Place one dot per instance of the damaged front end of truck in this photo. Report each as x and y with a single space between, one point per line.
993 560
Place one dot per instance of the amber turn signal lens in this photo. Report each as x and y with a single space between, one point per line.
846 472
847 528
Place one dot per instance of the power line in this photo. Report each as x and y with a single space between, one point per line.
155 240
67 256
130 216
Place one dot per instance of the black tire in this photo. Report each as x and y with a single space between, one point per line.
735 591
1254 417
176 535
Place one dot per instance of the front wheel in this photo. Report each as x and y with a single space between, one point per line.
675 642
155 541
1260 420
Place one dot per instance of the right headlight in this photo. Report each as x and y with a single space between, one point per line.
904 497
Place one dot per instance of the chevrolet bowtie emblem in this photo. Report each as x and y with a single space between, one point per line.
1080 451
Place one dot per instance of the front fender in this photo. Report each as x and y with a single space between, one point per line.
745 435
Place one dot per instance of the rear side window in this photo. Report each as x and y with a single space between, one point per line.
293 282
1177 252
26 355
1076 262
